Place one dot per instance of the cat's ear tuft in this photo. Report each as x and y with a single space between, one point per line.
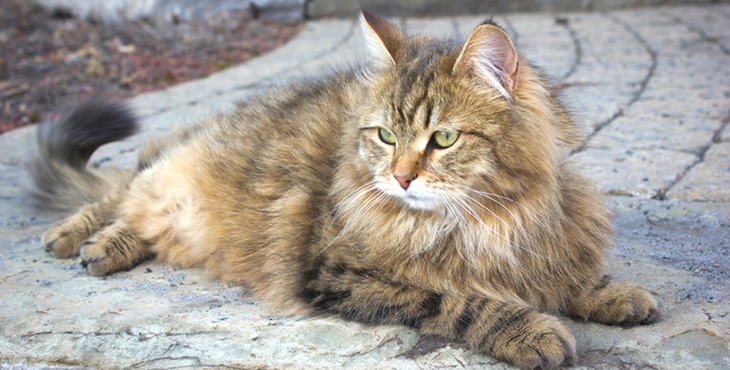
384 40
489 55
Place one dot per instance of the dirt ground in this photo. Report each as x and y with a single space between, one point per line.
48 60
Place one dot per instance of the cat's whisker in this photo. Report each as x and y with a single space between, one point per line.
354 197
456 203
457 217
365 210
468 237
453 212
358 214
503 237
350 198
532 214
473 213
517 220
347 223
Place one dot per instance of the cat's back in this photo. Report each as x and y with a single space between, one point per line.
283 139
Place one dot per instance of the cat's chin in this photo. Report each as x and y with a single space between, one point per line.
415 198
421 203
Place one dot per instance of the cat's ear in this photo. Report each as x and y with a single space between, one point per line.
383 39
489 54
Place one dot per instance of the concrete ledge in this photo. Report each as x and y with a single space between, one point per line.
113 10
440 8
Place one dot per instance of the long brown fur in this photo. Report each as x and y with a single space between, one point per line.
294 195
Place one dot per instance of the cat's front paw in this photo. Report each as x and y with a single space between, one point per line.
536 341
624 304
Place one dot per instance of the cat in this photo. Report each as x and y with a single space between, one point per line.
426 189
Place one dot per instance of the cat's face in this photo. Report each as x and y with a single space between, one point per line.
428 133
424 139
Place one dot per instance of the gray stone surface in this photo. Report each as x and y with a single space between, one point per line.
652 86
708 180
641 173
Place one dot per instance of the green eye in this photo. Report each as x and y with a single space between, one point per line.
386 136
445 139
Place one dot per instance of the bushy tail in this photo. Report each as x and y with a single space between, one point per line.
60 178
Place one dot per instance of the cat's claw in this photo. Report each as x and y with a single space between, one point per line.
60 245
50 244
652 317
86 262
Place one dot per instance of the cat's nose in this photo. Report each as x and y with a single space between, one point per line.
405 180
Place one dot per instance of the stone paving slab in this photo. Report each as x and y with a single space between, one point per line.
696 185
657 131
652 85
640 173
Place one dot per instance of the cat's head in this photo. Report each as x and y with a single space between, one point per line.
444 122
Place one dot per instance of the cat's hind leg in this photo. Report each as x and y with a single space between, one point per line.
615 303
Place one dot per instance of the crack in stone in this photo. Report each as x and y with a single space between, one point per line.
24 362
143 337
642 84
705 37
395 339
661 193
127 331
607 353
577 47
197 363
650 72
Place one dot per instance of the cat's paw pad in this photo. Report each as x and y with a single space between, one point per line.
539 341
625 304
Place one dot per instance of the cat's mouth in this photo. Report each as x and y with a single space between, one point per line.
421 202
419 199
417 196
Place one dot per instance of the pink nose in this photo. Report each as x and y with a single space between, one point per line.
404 181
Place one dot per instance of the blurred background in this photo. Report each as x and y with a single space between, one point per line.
54 51
302 9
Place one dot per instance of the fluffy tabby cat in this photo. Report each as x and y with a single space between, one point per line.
426 190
